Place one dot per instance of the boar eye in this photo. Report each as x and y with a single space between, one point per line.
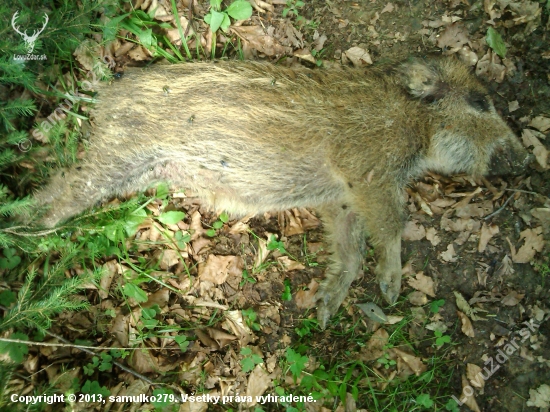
478 101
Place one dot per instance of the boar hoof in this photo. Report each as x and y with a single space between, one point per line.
329 299
390 291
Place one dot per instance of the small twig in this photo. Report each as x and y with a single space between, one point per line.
120 365
72 345
500 209
522 191
27 234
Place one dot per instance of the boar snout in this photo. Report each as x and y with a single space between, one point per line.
512 161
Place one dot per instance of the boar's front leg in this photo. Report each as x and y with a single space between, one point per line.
378 213
382 208
346 238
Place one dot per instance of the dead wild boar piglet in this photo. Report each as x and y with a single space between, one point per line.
254 137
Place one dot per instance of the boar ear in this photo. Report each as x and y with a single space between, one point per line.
421 80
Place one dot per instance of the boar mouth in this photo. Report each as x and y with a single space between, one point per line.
507 162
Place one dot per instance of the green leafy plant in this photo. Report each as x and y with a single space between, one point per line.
10 259
247 278
274 244
495 42
171 217
250 317
218 18
182 341
306 327
249 360
296 363
386 361
287 292
147 318
135 292
218 224
441 339
292 7
436 305
15 350
94 388
424 400
103 362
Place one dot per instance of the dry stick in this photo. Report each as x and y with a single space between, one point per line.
91 352
120 365
500 209
72 345
522 191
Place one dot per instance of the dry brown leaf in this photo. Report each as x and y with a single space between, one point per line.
307 219
388 8
139 53
392 319
221 337
143 361
487 232
459 225
413 231
262 252
217 269
418 298
469 401
289 264
443 202
506 267
293 225
540 123
240 227
258 382
413 362
431 235
474 209
534 242
467 327
174 34
490 67
465 307
453 38
512 298
196 225
88 53
358 56
254 38
305 298
160 298
531 138
542 214
375 347
200 246
304 54
540 397
120 328
513 106
449 254
474 375
423 283
110 269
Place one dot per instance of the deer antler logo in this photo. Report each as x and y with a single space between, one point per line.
29 40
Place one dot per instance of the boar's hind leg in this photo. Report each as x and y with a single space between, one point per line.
73 191
346 233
